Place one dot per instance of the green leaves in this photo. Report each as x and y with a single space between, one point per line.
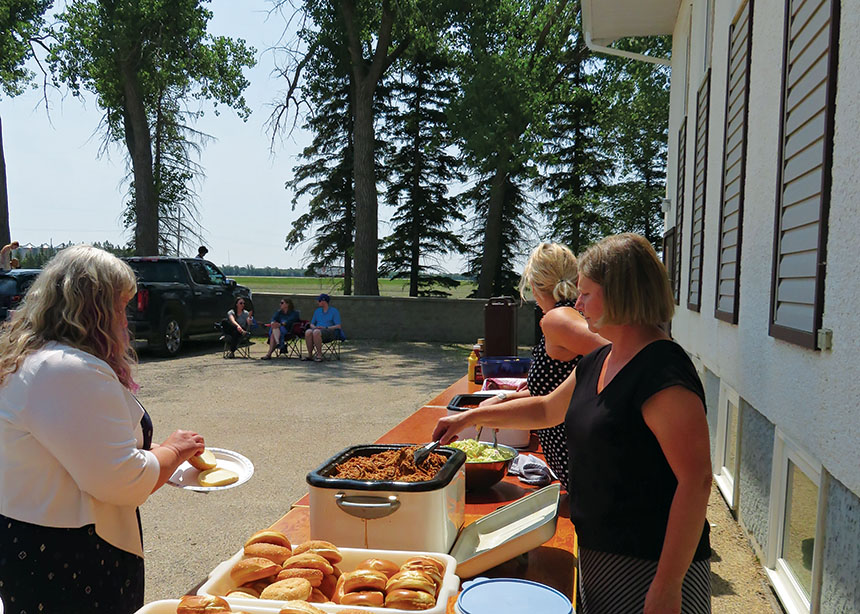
21 24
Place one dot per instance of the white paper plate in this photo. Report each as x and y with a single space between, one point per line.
185 475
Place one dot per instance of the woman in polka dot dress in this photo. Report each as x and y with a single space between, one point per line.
76 453
551 274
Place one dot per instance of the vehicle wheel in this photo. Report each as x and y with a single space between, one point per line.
171 336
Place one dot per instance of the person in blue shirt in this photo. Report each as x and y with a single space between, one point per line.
324 327
281 325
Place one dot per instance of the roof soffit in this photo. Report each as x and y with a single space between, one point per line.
609 20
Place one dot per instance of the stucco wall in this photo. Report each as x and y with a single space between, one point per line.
755 470
712 398
811 395
405 319
840 582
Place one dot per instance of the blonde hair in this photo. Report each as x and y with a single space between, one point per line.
75 300
552 270
636 288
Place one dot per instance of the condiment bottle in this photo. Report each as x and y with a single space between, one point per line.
473 364
479 372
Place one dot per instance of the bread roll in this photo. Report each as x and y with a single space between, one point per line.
291 589
405 599
276 554
328 584
317 596
309 560
258 585
363 580
373 599
244 593
202 604
325 549
254 568
217 477
338 590
269 536
300 607
432 567
204 460
387 567
411 579
314 576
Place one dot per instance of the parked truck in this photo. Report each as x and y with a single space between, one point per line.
177 298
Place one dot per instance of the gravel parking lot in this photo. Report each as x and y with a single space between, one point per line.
287 417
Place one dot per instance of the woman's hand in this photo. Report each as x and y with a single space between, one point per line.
662 599
447 428
184 444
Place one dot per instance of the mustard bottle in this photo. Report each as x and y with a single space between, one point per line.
473 363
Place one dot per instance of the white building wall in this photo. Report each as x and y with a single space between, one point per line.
813 396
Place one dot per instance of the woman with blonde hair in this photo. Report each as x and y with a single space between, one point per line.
550 273
634 411
76 452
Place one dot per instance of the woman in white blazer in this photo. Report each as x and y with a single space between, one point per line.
76 452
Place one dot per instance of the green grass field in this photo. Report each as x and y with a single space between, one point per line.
332 285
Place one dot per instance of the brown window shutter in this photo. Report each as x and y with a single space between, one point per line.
679 211
806 149
700 166
734 166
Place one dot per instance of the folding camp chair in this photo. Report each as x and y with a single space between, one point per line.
331 349
243 349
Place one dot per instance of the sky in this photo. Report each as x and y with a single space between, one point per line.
62 189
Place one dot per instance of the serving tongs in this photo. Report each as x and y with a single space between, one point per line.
421 454
495 436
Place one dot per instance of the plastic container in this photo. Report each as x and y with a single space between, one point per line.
505 366
510 596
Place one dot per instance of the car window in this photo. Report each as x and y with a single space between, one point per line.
215 275
198 272
157 271
8 287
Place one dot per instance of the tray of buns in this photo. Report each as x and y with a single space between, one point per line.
393 569
215 469
168 606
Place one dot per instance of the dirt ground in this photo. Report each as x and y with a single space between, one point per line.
288 417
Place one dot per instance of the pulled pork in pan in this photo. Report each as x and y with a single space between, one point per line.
392 465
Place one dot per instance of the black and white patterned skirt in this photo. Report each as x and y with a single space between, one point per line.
617 584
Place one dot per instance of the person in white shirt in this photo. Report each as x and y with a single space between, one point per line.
76 452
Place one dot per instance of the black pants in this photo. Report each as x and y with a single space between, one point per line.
232 333
46 569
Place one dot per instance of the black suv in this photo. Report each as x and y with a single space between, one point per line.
178 297
13 287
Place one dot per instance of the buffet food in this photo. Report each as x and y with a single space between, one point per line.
391 465
480 452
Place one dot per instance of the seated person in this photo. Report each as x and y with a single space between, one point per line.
324 327
282 323
237 325
6 256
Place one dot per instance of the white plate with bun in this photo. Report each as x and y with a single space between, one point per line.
186 476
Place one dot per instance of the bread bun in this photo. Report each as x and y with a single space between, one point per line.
299 607
290 589
317 596
276 554
352 611
338 589
432 567
204 460
309 560
373 599
325 549
244 593
314 576
328 584
363 580
258 585
269 536
387 567
411 579
202 604
254 568
217 477
405 599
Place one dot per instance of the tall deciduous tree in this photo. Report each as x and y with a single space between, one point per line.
128 52
421 171
20 26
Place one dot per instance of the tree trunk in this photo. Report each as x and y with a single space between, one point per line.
366 204
492 255
5 234
139 143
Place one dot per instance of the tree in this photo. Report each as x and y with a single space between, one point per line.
421 171
128 53
513 55
372 35
20 28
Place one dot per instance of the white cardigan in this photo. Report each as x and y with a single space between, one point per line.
69 447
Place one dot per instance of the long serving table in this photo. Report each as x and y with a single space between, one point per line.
553 563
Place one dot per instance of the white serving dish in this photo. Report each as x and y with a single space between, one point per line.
425 516
219 582
516 438
168 606
512 530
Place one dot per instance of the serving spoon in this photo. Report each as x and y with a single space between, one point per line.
421 454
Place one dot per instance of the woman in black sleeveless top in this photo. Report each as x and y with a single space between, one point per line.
640 472
550 273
